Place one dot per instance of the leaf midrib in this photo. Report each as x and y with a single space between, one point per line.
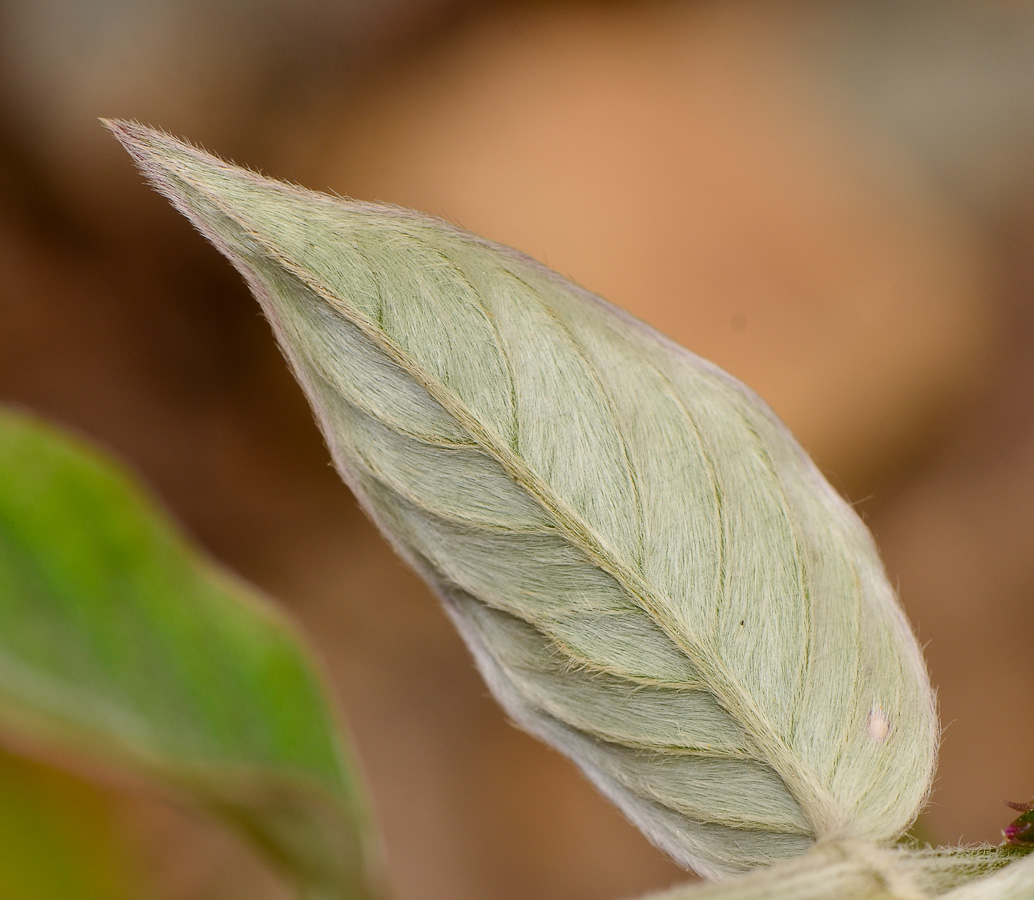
817 803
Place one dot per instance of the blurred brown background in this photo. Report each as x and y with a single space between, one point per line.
832 200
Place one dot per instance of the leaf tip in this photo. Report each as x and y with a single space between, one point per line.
204 187
139 140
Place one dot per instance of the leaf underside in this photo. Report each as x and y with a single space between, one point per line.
651 574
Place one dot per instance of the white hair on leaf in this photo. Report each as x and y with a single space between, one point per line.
651 574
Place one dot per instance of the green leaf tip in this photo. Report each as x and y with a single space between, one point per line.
121 645
651 574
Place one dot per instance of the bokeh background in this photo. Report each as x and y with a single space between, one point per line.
833 200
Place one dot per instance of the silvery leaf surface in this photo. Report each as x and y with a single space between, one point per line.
860 870
1014 882
651 574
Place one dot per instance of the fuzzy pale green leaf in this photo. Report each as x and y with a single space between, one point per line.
860 870
1014 882
121 646
651 574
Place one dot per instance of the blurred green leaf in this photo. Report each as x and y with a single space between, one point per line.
120 644
57 837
